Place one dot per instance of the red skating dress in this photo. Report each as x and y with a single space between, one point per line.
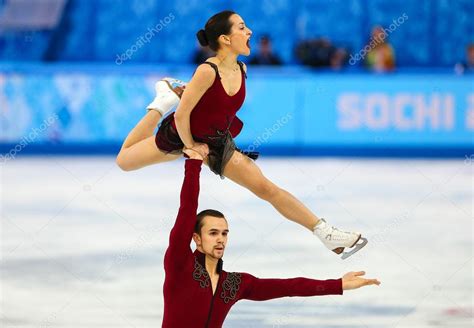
213 121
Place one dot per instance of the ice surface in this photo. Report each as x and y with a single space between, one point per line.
82 242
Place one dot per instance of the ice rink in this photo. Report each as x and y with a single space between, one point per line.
82 242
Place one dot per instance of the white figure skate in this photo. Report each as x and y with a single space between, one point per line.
337 240
168 94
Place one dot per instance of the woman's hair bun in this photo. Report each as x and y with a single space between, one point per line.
202 38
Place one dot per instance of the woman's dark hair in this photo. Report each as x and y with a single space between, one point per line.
200 218
216 26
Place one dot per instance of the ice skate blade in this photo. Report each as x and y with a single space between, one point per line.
339 250
355 249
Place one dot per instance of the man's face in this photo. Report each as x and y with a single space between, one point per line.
213 238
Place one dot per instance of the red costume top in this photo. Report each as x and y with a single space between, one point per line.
216 110
189 301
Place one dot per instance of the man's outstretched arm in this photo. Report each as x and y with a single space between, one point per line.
258 289
265 289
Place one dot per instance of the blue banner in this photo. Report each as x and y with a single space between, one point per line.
290 111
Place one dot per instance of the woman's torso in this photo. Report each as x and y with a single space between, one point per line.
215 111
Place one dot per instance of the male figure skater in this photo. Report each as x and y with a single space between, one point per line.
197 291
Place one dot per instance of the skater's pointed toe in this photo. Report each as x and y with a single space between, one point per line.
359 236
337 240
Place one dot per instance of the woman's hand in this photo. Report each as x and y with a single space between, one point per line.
199 151
354 280
201 148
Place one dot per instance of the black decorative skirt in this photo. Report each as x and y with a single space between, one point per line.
221 145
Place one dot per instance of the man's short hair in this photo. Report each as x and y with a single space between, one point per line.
200 218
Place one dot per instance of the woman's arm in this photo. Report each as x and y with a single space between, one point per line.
201 81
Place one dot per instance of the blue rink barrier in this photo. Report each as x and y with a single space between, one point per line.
74 109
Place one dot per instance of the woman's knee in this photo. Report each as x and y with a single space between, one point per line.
123 162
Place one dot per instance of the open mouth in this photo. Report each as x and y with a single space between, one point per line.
248 43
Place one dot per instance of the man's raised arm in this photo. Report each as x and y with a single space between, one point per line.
182 233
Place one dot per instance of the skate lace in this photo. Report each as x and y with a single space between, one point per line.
335 234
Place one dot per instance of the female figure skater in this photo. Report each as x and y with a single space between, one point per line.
205 121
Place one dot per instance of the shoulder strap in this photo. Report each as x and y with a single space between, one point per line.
214 66
242 68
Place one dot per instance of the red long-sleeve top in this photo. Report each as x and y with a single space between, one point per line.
189 300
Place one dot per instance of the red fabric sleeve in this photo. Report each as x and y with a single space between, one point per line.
257 289
182 233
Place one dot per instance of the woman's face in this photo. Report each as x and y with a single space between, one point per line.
239 38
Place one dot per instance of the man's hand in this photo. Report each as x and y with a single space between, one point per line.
193 153
201 148
354 280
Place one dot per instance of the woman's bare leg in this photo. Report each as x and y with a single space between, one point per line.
144 129
139 148
243 171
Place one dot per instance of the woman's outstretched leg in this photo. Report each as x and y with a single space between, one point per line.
246 173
